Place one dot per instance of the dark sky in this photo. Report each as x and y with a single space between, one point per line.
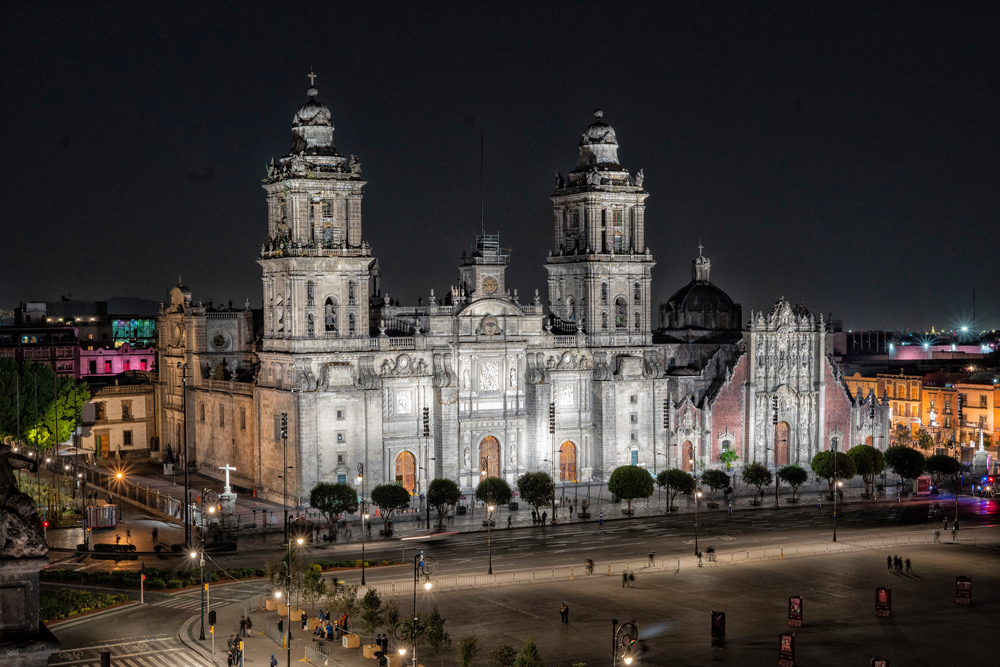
840 154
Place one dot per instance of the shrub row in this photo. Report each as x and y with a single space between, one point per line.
156 578
67 602
327 564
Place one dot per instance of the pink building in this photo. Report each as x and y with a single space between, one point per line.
110 362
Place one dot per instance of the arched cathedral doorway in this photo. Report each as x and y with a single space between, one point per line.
567 462
781 431
870 441
687 456
406 471
489 453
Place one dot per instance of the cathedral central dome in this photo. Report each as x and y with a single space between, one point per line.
312 128
598 146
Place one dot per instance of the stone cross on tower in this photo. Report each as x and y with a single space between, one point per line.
227 468
312 79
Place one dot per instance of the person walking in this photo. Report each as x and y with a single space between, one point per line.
937 537
730 507
946 523
819 501
305 620
232 639
631 579
281 625
564 613
699 559
118 538
624 579
651 556
534 516
243 627
510 520
590 566
711 554
888 562
274 661
545 516
128 536
909 569
156 535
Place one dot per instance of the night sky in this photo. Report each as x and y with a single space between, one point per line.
842 155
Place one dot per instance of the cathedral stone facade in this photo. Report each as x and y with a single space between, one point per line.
478 381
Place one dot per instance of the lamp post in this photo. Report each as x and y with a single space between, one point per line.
424 566
697 495
774 437
284 466
187 487
622 638
835 494
361 479
118 488
201 564
484 465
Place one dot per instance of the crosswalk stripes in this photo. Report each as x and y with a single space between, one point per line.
166 652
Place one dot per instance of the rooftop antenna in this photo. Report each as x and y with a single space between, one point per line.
482 204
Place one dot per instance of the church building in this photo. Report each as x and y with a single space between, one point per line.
478 381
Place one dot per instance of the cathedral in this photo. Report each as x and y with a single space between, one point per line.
482 381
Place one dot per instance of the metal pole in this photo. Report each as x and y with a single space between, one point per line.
413 634
614 642
187 489
696 493
201 636
361 475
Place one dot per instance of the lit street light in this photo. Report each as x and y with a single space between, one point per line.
697 495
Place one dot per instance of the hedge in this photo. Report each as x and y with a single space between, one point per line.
65 602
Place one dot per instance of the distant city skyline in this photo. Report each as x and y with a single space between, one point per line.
842 156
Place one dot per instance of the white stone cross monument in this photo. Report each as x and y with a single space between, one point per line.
227 498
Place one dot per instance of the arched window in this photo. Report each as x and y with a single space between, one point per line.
352 294
621 313
638 321
618 230
637 293
604 294
310 294
604 320
311 324
330 315
327 209
351 324
570 309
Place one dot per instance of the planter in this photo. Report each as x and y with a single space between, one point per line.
492 523
461 509
350 641
628 513
512 506
370 649
271 604
712 506
583 515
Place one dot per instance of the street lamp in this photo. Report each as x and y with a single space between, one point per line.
484 463
697 495
774 444
118 486
361 480
201 564
421 566
622 638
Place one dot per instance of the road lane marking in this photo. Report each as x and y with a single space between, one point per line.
512 608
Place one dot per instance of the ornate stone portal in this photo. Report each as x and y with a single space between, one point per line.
24 641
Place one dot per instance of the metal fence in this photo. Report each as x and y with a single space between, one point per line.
616 568
317 656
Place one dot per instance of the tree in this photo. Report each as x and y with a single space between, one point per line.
715 480
536 489
729 457
370 619
905 461
503 655
414 630
529 657
794 477
332 500
313 584
902 434
390 615
629 483
833 466
941 466
345 601
494 491
388 498
924 439
468 649
676 481
441 494
868 462
34 421
757 475
437 638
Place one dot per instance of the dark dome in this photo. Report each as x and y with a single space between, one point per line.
701 297
700 304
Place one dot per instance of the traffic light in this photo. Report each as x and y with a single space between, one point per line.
552 418
45 524
284 425
960 409
211 617
142 571
427 422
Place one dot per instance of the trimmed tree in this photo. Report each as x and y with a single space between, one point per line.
313 584
757 475
388 498
442 494
502 655
675 481
729 457
940 466
833 466
869 462
494 491
371 612
529 656
794 477
437 638
536 488
715 480
924 439
468 649
345 601
905 461
629 483
902 434
332 500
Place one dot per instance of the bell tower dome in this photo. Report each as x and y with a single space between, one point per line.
600 270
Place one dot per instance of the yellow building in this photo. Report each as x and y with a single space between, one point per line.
979 400
864 384
904 397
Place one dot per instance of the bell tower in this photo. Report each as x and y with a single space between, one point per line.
600 270
316 266
481 274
